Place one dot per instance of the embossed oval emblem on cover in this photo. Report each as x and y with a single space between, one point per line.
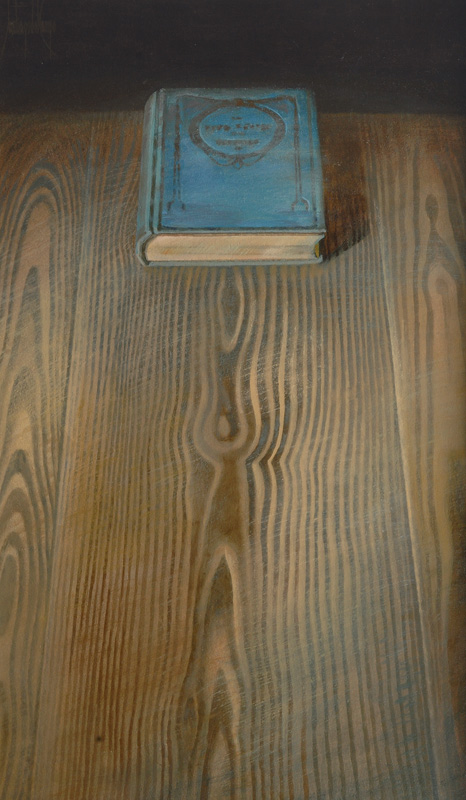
237 132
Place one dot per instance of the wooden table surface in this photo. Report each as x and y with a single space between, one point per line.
232 508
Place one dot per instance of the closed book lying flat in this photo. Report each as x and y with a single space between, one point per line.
230 176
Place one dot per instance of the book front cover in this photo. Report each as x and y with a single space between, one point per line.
239 161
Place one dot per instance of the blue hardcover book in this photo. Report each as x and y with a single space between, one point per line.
230 176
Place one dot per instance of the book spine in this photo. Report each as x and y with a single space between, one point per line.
147 213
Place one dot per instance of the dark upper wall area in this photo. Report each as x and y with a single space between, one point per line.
378 55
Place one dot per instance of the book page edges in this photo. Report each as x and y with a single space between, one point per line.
189 248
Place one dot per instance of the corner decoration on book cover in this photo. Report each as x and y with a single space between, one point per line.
230 161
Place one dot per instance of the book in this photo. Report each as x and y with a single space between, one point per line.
230 176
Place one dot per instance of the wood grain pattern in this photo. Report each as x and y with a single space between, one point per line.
41 185
244 599
423 258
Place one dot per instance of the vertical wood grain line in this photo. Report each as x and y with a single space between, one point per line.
414 181
43 168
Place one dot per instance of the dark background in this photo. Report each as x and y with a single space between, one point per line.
361 55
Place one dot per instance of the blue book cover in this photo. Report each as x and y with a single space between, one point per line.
230 176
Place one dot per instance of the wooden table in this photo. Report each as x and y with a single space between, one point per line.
232 514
